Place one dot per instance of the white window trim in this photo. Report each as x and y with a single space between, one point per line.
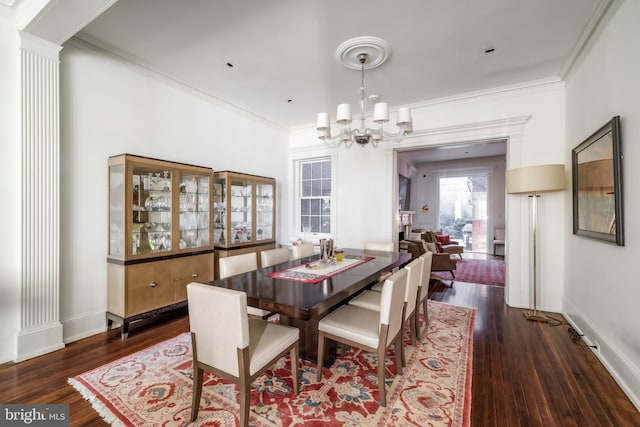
296 161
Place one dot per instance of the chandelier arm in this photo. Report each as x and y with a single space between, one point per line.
345 136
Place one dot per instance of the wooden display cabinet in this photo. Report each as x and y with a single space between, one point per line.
244 209
160 235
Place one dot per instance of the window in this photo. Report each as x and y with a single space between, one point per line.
315 196
463 210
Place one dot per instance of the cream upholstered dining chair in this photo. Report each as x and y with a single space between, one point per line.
423 292
379 246
373 331
303 250
371 300
238 264
239 351
273 256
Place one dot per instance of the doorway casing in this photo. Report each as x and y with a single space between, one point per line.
511 131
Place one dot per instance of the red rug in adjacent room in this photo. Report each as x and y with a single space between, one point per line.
486 272
153 387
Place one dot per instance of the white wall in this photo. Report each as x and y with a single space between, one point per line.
602 290
10 192
365 193
110 106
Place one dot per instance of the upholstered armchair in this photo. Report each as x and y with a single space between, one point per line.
440 262
451 248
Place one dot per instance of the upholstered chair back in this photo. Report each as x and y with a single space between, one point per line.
273 256
303 250
209 308
237 264
414 280
379 246
392 303
426 269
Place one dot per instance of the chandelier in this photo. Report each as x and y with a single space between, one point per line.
363 52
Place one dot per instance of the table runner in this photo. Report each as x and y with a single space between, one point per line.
317 271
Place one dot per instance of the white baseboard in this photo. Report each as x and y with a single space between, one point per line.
84 326
40 340
621 369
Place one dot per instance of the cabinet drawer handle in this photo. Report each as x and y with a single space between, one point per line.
153 284
194 275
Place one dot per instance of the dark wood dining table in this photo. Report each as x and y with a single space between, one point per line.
302 304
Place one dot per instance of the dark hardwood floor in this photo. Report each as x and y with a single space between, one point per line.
524 373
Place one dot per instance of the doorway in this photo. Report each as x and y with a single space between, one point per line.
463 210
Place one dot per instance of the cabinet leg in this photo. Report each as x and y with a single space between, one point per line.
125 330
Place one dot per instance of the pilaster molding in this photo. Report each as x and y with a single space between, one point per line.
40 328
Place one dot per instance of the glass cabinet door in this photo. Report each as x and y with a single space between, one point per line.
264 211
241 211
116 211
219 211
152 210
194 211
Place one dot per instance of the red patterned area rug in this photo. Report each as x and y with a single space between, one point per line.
153 387
486 272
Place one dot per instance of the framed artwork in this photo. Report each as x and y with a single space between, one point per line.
597 185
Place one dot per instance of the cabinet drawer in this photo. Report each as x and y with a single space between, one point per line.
149 286
198 268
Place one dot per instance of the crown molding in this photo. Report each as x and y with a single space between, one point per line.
599 11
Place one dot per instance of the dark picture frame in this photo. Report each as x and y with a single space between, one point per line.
404 192
597 185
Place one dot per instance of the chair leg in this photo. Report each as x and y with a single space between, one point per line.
382 387
321 340
412 327
245 401
399 350
198 374
426 313
294 367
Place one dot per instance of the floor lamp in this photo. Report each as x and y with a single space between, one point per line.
533 180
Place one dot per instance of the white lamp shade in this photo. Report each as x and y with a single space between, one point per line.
323 121
404 116
535 179
344 114
381 112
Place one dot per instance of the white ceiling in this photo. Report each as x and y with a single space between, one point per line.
284 50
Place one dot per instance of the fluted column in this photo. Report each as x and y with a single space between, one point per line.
40 327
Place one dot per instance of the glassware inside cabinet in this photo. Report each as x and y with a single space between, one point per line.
152 210
241 211
264 211
194 211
